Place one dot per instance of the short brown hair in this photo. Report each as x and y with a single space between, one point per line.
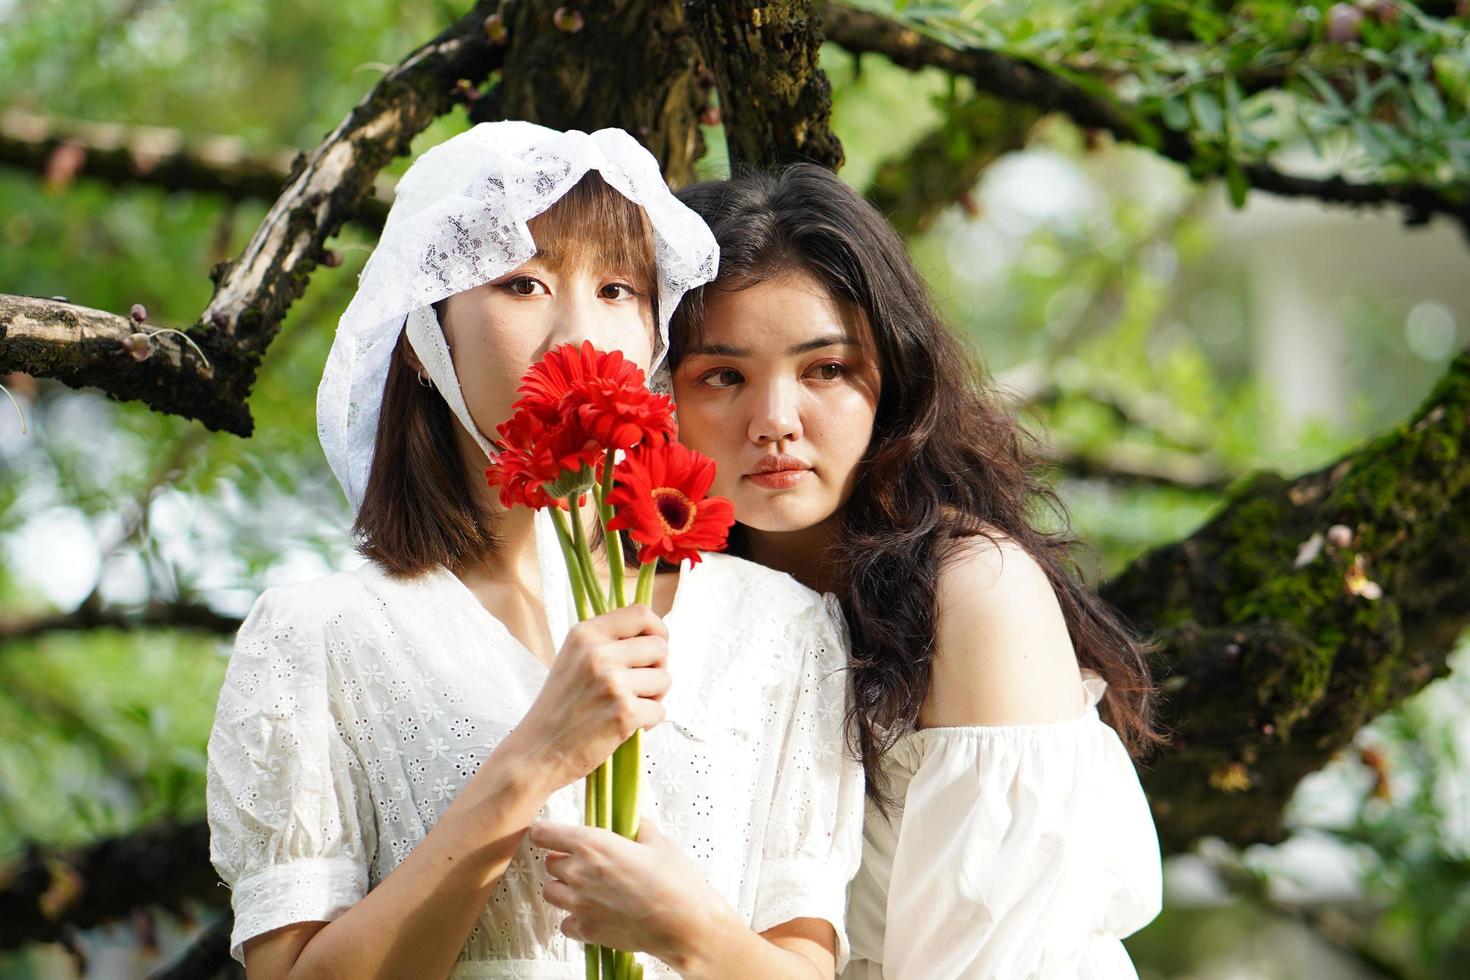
418 511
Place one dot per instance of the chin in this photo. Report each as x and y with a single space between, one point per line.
778 516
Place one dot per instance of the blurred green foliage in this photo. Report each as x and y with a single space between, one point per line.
1106 274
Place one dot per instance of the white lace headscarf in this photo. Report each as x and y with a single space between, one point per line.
461 219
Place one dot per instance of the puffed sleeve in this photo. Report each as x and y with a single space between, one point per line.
1024 851
814 842
291 828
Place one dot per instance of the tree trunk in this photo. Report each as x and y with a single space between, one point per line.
624 63
775 101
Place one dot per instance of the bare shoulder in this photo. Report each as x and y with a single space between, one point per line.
1003 655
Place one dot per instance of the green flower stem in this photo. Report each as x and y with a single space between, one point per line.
627 763
574 565
613 541
605 793
627 773
592 784
646 572
628 758
609 963
584 553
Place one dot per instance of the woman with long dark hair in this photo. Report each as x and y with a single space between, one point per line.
995 698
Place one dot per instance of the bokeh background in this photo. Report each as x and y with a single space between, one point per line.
1162 341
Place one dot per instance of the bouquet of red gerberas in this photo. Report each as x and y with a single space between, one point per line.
580 410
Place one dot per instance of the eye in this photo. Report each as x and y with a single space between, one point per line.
830 371
618 290
526 286
721 378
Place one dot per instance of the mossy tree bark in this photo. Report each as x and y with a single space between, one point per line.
624 63
1303 610
775 100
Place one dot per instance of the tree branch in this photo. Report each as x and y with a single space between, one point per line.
1302 611
944 166
253 292
63 149
85 347
775 100
208 956
1132 466
862 31
45 893
92 615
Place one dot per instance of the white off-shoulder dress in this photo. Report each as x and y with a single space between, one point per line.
356 707
1015 852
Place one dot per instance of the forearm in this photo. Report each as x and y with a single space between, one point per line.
416 921
726 947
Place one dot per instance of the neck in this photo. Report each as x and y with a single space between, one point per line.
513 559
801 554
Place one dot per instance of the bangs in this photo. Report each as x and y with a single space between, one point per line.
593 226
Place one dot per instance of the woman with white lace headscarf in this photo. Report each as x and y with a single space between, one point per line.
384 737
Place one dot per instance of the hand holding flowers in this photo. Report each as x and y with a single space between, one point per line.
579 409
644 895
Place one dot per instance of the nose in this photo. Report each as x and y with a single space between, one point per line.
576 318
776 415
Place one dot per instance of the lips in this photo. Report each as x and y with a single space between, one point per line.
779 472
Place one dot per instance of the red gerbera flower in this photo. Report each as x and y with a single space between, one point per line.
552 378
534 453
603 391
621 416
660 500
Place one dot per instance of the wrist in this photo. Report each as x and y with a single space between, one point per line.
703 939
516 769
506 792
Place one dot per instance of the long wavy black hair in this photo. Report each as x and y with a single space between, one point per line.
946 460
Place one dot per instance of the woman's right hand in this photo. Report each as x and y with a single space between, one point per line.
607 681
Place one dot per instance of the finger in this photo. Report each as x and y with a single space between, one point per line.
639 651
636 620
648 831
571 928
647 714
565 838
560 895
559 866
650 682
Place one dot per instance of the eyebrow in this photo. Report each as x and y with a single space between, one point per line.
817 343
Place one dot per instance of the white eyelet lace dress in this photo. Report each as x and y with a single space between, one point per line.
1016 852
356 707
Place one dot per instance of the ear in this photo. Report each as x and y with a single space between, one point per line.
409 356
406 351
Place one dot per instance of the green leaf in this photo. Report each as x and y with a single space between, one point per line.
1175 115
1236 184
1323 88
1207 113
1426 98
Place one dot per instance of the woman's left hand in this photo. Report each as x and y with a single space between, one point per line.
644 895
